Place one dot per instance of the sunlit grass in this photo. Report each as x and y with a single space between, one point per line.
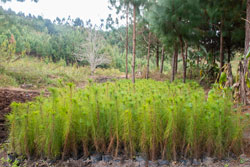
41 73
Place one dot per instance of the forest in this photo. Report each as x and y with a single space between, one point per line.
163 83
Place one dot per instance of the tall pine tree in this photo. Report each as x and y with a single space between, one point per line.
176 20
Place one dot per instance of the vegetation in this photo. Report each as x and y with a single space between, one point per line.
197 37
161 119
61 42
93 51
42 73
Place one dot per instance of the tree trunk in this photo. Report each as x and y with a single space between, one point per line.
247 35
176 60
214 58
229 82
162 60
186 51
243 86
127 42
221 47
186 56
198 58
228 44
183 60
173 67
229 54
244 69
148 57
134 44
157 55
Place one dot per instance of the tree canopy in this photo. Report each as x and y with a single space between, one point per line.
197 30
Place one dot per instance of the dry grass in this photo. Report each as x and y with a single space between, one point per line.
41 74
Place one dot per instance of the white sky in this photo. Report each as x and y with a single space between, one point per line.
84 9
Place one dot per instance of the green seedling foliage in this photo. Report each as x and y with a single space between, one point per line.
159 119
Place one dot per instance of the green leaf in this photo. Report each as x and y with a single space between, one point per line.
248 54
223 78
248 82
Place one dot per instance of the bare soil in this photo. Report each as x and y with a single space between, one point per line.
7 96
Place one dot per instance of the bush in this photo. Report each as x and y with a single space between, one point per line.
161 119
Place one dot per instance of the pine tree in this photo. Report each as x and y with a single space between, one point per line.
176 21
136 4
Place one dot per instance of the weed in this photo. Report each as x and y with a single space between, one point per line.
242 161
8 161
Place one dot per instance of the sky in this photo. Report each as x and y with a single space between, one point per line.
84 9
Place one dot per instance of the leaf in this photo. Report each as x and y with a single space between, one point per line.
248 83
223 78
248 53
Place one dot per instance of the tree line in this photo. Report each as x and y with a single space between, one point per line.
155 31
216 26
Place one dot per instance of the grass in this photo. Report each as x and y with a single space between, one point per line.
160 119
7 81
41 74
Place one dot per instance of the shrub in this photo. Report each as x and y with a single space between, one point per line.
161 119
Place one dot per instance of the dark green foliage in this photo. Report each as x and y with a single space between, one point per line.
159 119
175 18
198 24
